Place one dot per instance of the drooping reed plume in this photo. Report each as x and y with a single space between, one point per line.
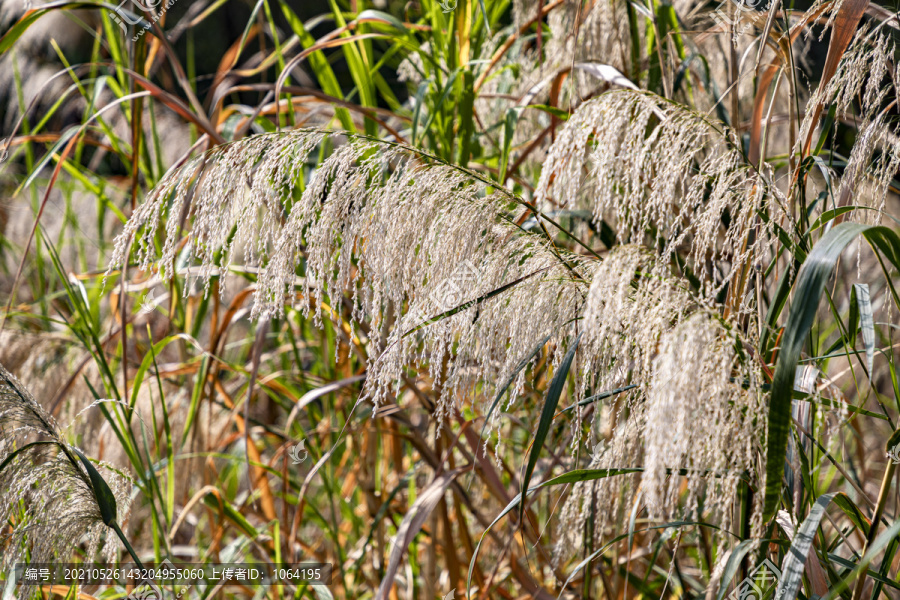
50 502
389 227
665 175
380 222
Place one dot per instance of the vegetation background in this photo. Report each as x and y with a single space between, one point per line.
562 298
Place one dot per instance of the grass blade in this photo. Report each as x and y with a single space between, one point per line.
18 451
412 523
808 289
512 377
570 477
732 566
861 307
105 498
553 394
794 563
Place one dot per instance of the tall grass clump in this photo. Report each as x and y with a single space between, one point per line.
561 298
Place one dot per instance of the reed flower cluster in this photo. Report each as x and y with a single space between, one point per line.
704 410
648 165
47 501
633 300
389 227
859 92
382 223
598 226
696 417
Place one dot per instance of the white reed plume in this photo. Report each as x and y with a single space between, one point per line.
873 162
390 227
632 302
654 168
695 414
858 92
705 410
859 80
434 267
47 496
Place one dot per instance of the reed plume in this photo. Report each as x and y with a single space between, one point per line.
50 501
391 227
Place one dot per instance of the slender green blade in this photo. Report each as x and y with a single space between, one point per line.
105 498
512 377
809 287
570 477
553 394
794 563
861 307
732 565
12 455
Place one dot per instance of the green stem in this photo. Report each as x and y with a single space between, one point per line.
879 510
115 527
